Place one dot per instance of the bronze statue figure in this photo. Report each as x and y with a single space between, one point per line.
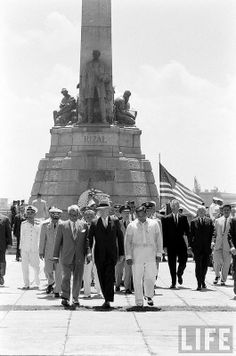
123 114
66 115
95 90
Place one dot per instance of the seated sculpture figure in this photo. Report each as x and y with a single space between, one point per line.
123 114
66 115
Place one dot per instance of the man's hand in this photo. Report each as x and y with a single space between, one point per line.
212 245
56 259
41 256
158 259
121 258
88 258
233 251
129 262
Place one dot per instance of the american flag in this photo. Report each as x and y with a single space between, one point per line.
171 189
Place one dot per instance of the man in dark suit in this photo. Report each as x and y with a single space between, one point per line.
175 234
72 246
16 229
201 233
232 244
5 241
108 236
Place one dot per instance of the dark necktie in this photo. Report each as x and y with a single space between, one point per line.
225 225
125 224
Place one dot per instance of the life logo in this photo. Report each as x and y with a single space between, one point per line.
205 339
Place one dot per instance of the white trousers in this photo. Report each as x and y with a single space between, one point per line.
88 270
29 258
53 273
144 278
221 261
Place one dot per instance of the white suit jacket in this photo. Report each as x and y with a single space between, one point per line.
221 236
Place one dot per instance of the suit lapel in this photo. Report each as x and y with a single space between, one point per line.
71 232
100 224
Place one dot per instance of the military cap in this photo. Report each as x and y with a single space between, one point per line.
227 205
117 206
149 204
31 208
140 208
53 209
125 208
104 204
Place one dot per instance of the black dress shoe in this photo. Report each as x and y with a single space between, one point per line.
117 289
216 280
49 288
150 302
65 303
172 286
199 288
1 280
180 279
75 304
128 291
56 295
106 305
204 285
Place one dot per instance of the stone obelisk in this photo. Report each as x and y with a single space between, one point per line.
95 154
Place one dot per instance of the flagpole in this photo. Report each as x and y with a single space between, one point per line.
159 157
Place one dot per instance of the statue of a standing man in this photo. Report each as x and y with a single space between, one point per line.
94 82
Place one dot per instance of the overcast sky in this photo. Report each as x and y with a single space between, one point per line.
177 57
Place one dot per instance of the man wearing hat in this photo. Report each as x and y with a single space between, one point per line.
214 208
143 248
46 247
125 211
72 246
131 204
221 254
41 205
106 232
29 246
151 214
5 241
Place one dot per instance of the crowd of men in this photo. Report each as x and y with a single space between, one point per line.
110 245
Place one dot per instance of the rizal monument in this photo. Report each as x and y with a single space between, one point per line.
95 143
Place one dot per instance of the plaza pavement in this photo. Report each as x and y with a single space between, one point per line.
33 323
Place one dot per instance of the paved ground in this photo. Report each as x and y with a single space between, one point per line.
33 323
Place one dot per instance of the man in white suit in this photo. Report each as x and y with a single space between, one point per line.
143 249
29 246
222 255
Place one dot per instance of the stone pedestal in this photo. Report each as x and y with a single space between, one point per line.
104 157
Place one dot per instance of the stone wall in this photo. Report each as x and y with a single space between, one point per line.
104 157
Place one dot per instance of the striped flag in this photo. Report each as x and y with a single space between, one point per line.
171 189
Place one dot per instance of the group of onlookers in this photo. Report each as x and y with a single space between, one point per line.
119 245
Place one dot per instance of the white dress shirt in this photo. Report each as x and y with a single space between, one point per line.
143 241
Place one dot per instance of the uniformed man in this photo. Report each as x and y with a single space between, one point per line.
29 246
151 214
214 208
41 205
143 248
46 247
